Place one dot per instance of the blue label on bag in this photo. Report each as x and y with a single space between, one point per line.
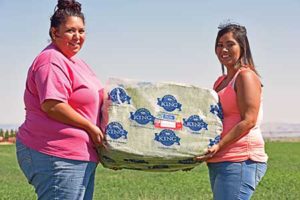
136 161
168 121
214 141
167 137
142 116
217 110
118 95
195 123
169 103
187 161
158 167
166 116
115 130
108 159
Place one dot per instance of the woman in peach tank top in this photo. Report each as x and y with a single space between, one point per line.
238 162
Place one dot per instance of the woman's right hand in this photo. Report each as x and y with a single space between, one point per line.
96 135
209 153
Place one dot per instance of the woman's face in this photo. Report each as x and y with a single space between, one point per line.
69 36
228 50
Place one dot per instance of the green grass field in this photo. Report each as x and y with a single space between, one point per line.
282 180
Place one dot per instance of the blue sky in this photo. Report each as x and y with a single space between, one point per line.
158 40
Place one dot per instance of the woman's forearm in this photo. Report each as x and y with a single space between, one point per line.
236 132
64 113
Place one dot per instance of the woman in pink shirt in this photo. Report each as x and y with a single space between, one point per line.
238 162
56 144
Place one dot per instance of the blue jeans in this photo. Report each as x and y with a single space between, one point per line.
56 178
235 180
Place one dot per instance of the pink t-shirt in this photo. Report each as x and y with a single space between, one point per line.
54 76
251 145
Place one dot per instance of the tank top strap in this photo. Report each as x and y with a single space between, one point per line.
232 82
218 81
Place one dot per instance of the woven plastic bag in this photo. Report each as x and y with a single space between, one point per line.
158 126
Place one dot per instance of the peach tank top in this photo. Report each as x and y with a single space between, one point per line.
251 145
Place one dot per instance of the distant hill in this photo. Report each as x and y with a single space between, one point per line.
280 130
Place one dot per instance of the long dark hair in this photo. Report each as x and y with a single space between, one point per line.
64 9
240 35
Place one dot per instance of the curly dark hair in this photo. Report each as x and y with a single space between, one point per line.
64 9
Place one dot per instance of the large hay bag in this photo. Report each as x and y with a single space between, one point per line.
158 126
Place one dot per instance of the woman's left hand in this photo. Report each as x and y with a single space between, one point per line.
209 153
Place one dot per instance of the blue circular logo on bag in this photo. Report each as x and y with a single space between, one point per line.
217 110
169 103
214 141
167 137
187 161
195 123
142 116
115 130
118 95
